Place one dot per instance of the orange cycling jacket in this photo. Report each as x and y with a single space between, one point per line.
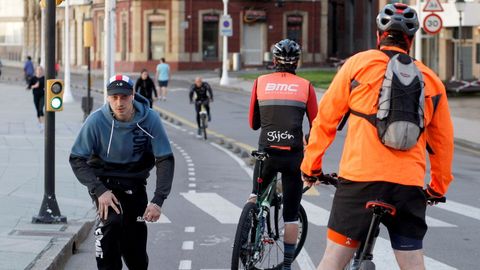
364 156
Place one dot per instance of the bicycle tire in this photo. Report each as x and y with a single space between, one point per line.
246 226
367 265
204 126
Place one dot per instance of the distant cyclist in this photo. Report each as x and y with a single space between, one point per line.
278 104
203 95
373 167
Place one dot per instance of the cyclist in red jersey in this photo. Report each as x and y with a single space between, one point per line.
278 104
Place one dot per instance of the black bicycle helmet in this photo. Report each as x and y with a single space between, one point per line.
286 52
399 17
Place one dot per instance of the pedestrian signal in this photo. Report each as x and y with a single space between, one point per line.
54 100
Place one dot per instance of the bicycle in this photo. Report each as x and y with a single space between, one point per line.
363 258
203 120
258 240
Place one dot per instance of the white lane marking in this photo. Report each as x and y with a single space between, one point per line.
191 173
191 178
461 209
433 222
304 261
190 164
191 191
240 162
316 215
192 185
187 245
191 169
188 160
187 157
216 206
185 265
172 125
384 258
190 229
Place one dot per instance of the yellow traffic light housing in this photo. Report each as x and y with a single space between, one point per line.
43 3
54 101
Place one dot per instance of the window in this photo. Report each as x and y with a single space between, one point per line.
294 28
10 8
210 36
157 33
11 33
466 32
478 53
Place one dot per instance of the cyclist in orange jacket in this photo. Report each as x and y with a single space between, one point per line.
278 104
369 169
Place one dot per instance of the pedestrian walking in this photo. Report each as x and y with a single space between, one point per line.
113 154
37 85
28 70
146 87
163 77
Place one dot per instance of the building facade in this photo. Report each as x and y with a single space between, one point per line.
186 32
12 25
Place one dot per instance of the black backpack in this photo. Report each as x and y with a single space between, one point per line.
400 116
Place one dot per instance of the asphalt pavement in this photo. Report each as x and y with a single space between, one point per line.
24 245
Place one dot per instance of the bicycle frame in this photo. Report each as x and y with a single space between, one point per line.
263 204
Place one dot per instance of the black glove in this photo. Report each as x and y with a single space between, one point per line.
309 178
432 199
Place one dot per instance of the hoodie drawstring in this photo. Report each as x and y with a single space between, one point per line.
145 131
111 136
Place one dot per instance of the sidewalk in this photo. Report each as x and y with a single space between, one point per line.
24 245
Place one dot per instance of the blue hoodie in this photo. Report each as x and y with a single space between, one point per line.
120 149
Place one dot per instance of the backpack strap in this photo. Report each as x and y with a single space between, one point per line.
353 83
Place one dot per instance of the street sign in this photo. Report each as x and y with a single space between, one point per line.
226 26
433 6
432 24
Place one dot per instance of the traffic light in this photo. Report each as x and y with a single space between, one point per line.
43 3
54 102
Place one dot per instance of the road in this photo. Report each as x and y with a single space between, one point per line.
211 185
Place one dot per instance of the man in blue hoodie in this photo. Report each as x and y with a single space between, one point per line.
113 154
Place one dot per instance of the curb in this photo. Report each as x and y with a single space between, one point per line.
62 247
475 147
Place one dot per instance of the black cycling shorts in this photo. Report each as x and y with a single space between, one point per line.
350 218
288 164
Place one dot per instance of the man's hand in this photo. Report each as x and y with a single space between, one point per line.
310 180
152 212
106 200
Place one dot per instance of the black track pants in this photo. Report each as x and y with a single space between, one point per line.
123 235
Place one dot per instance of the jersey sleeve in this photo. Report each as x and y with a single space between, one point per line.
312 107
254 115
332 107
440 138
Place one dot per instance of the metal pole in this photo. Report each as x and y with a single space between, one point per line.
418 35
224 80
108 44
460 53
49 211
67 95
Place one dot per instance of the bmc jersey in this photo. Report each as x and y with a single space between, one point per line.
278 103
356 87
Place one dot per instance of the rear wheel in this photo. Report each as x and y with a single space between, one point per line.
271 255
245 237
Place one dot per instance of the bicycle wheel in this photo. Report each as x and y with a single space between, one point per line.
204 125
271 256
245 238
